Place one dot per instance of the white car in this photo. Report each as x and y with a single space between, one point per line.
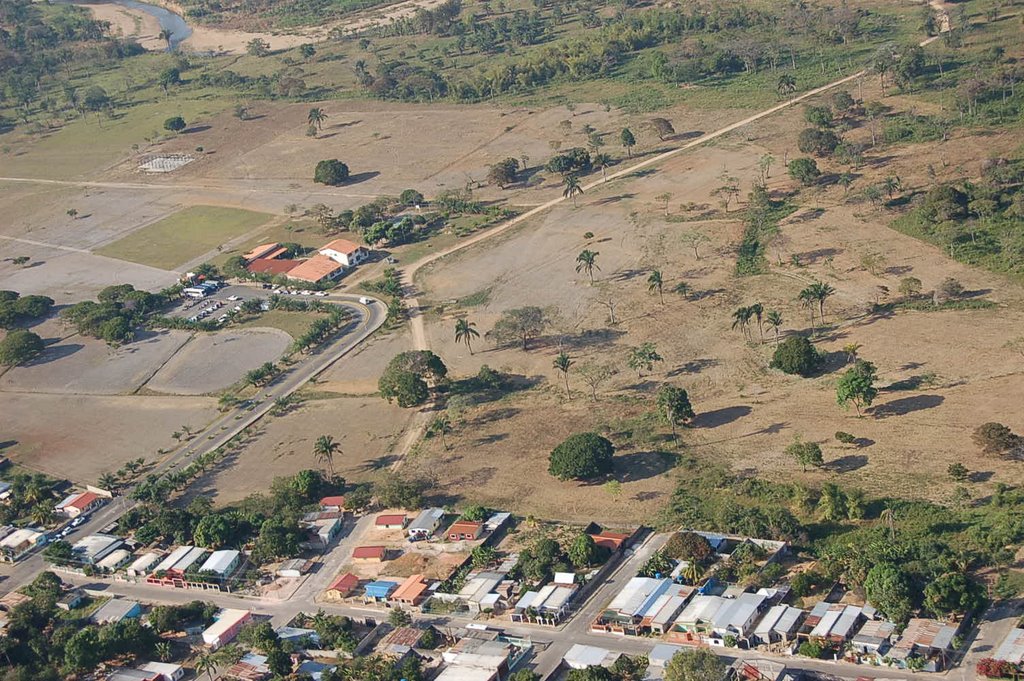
78 521
306 293
237 308
223 318
234 298
322 294
193 319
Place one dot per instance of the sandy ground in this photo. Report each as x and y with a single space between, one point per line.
81 438
129 23
364 426
360 375
86 366
211 362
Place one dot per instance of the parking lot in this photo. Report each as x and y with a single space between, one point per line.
228 300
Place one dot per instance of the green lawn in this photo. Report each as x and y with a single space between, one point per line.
187 234
293 323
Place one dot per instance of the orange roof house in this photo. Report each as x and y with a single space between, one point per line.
265 251
345 252
411 592
343 586
464 529
316 269
343 246
612 541
333 503
369 554
391 521
269 266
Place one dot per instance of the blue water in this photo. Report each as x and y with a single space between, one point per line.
167 19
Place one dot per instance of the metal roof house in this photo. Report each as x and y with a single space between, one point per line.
425 524
737 617
1012 648
780 623
115 610
874 637
380 590
95 547
581 656
222 563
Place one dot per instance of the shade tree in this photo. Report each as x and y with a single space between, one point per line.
582 456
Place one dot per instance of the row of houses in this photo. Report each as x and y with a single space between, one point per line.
331 261
716 616
427 522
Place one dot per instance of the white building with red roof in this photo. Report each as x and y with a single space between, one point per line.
346 252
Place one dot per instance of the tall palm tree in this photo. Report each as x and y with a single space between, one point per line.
42 514
572 189
655 282
692 572
821 292
787 84
807 298
602 161
465 333
442 425
316 118
741 318
757 310
562 363
107 481
586 261
207 662
163 650
774 320
324 450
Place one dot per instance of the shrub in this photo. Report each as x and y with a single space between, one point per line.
796 355
19 346
812 649
581 457
817 142
175 124
995 438
845 438
330 172
804 170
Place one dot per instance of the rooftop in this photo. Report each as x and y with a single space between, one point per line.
926 633
369 552
271 266
115 610
221 561
411 589
314 269
336 500
261 251
342 246
390 519
1012 647
345 582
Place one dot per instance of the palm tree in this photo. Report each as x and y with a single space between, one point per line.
163 650
683 289
787 84
572 189
562 363
741 318
655 282
442 425
207 662
166 36
465 333
692 572
587 261
851 350
42 514
807 298
602 161
774 320
324 450
821 292
107 481
316 118
757 310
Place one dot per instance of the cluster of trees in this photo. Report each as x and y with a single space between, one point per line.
117 314
409 377
44 643
31 498
17 310
20 346
321 329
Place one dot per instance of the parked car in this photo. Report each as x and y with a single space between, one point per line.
234 298
78 521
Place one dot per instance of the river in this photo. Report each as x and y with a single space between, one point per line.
168 20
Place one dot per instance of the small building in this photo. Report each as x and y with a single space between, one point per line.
222 563
126 674
271 267
226 627
369 554
16 544
315 270
80 503
265 252
412 591
251 667
837 623
115 560
165 671
345 252
475 659
580 656
929 639
343 586
70 599
94 548
874 638
1012 648
497 521
401 640
662 653
142 565
391 521
758 670
779 624
465 530
737 617
613 541
332 503
322 528
425 524
298 635
380 590
296 567
115 610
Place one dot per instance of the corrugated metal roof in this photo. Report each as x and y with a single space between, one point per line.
828 620
1012 647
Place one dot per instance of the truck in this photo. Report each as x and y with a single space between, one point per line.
365 301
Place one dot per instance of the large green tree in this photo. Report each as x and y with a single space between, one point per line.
409 375
582 456
796 355
20 346
331 172
857 385
675 406
699 664
888 588
521 324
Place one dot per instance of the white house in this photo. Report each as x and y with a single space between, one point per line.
425 524
345 252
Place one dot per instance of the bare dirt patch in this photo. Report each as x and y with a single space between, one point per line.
85 366
366 428
83 437
214 361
